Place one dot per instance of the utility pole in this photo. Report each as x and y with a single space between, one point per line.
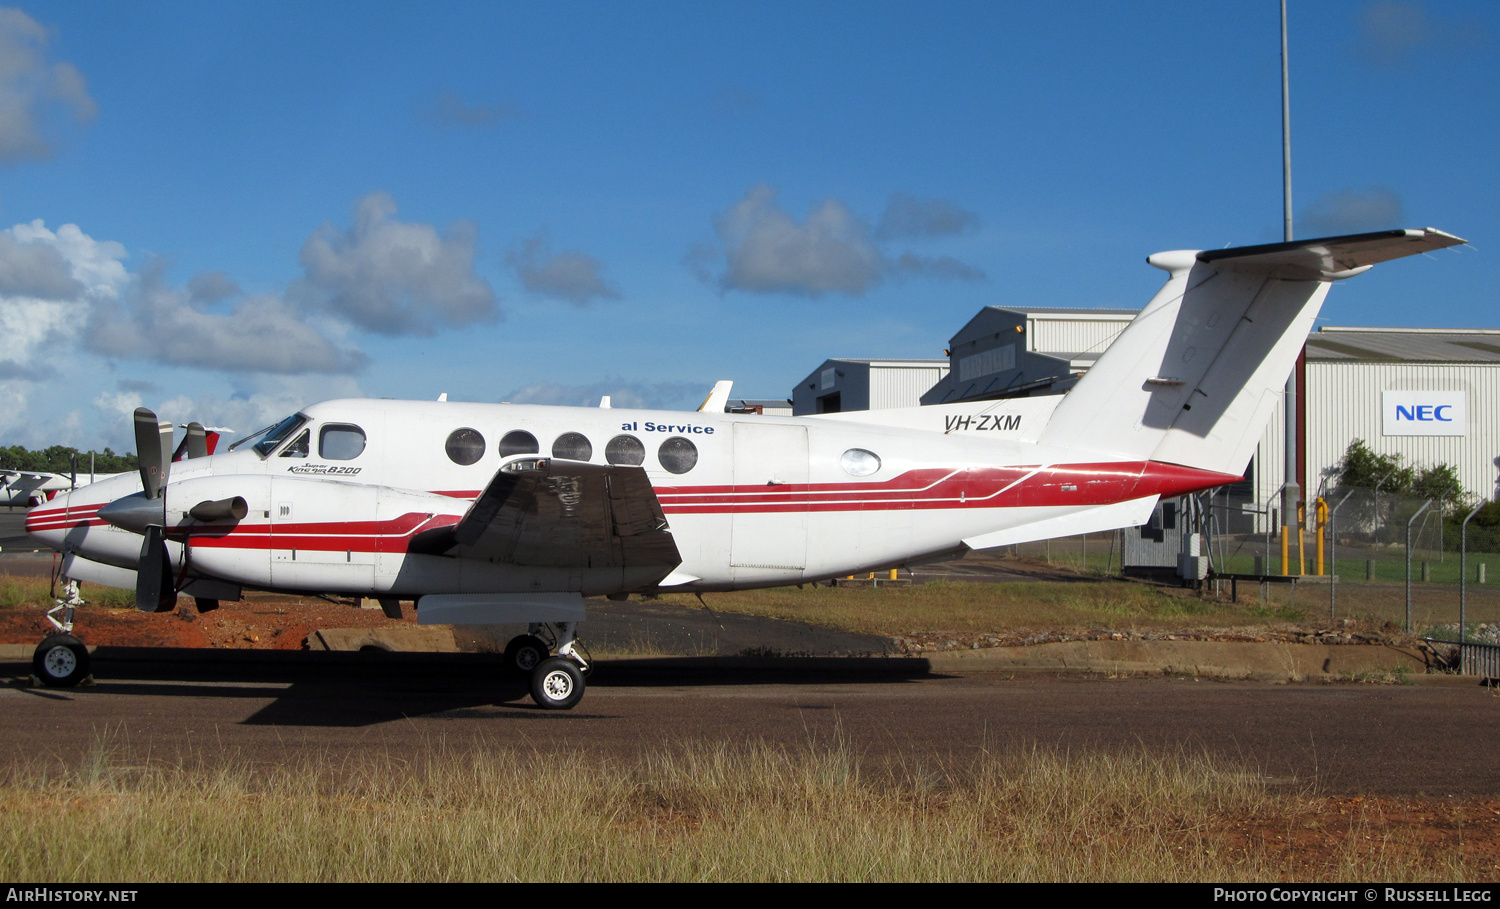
1291 492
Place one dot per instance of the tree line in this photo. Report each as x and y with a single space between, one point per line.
61 459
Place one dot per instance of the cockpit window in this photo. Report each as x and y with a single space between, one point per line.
267 439
297 448
341 441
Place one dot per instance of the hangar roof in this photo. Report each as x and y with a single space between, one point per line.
1405 345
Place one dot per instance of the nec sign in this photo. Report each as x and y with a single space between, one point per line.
1424 413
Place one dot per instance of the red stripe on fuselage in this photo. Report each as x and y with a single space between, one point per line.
926 489
980 487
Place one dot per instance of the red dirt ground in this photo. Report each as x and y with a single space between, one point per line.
259 622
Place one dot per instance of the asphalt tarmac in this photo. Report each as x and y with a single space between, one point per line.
1436 738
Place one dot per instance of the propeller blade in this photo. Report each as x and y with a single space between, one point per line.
197 440
153 446
194 443
153 574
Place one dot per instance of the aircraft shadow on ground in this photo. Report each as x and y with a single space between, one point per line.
343 689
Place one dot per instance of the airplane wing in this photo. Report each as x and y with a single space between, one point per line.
556 513
30 480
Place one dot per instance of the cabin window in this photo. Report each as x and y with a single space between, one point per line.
572 446
464 446
297 448
518 442
340 442
859 463
626 451
677 455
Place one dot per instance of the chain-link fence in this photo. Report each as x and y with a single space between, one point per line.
1362 553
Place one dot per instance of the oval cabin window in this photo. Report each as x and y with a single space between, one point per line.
518 442
859 463
573 446
465 446
677 455
626 451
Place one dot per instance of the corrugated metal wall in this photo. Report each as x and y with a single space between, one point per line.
901 386
1343 404
1051 334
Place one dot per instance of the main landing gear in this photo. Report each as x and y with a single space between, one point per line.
61 660
557 682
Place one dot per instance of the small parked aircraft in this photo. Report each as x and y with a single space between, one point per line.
495 513
31 487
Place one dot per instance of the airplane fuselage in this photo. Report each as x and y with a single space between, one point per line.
340 503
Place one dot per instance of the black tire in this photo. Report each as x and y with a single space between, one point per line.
557 684
524 653
60 661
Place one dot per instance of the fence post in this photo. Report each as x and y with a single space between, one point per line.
1425 506
1463 572
1333 550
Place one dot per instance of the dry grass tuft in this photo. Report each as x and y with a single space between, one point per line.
691 812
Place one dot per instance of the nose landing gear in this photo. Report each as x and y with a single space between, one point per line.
61 660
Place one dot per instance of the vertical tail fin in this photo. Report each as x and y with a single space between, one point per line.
1193 379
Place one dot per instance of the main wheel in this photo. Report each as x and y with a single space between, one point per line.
60 661
524 653
556 684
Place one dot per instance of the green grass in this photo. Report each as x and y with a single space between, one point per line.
976 607
24 592
746 812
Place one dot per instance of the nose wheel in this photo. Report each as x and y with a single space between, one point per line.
61 660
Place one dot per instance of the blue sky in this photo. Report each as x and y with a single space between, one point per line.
228 211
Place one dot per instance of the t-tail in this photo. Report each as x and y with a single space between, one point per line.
1194 378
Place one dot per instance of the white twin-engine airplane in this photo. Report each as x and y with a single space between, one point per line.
495 513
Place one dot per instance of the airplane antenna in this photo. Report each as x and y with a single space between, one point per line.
710 611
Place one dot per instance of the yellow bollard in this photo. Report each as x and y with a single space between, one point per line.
1320 520
893 574
1301 535
1286 556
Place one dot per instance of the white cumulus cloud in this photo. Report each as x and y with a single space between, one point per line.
764 249
1352 211
568 275
909 217
37 96
768 251
395 277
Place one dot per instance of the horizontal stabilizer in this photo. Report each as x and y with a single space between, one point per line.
1194 378
1331 258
